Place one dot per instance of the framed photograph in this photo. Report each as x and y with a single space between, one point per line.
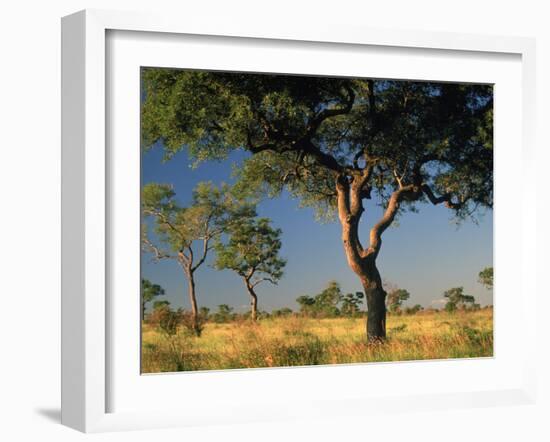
317 215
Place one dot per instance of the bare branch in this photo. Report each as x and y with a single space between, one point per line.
397 178
156 251
255 283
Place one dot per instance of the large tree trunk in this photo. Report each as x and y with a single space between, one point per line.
193 302
253 300
376 305
376 299
362 261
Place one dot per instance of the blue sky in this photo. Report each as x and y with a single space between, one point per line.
426 254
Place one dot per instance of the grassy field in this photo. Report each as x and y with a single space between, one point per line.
294 340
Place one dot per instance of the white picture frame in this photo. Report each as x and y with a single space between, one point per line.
87 356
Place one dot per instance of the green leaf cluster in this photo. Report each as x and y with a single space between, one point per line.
211 210
326 303
456 299
395 299
251 249
486 277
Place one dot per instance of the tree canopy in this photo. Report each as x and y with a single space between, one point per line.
322 304
486 277
395 299
433 141
149 292
177 228
251 250
456 299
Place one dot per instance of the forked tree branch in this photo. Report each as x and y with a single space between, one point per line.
157 252
304 144
327 113
410 192
205 249
164 219
445 198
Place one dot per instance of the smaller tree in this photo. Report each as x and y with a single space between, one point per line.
395 299
307 304
414 309
351 303
325 304
149 291
285 311
224 314
252 251
450 307
204 313
327 301
485 277
187 234
164 317
160 304
456 299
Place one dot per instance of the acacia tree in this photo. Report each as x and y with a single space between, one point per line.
457 299
252 251
395 299
149 292
187 234
351 303
324 304
333 143
485 277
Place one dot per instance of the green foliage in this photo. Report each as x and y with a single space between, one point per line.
331 303
306 303
251 250
160 304
413 310
204 312
395 299
450 307
486 277
224 314
285 311
211 209
166 319
456 299
192 326
325 304
149 291
303 131
351 303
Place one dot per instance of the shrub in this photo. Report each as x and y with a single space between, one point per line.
191 327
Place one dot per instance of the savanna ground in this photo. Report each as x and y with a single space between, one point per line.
296 340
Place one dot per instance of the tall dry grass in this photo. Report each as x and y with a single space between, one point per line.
294 341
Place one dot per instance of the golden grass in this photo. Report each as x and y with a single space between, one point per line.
294 341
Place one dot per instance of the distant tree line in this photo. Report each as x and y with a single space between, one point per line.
331 302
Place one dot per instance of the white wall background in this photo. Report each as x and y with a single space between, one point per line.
30 214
